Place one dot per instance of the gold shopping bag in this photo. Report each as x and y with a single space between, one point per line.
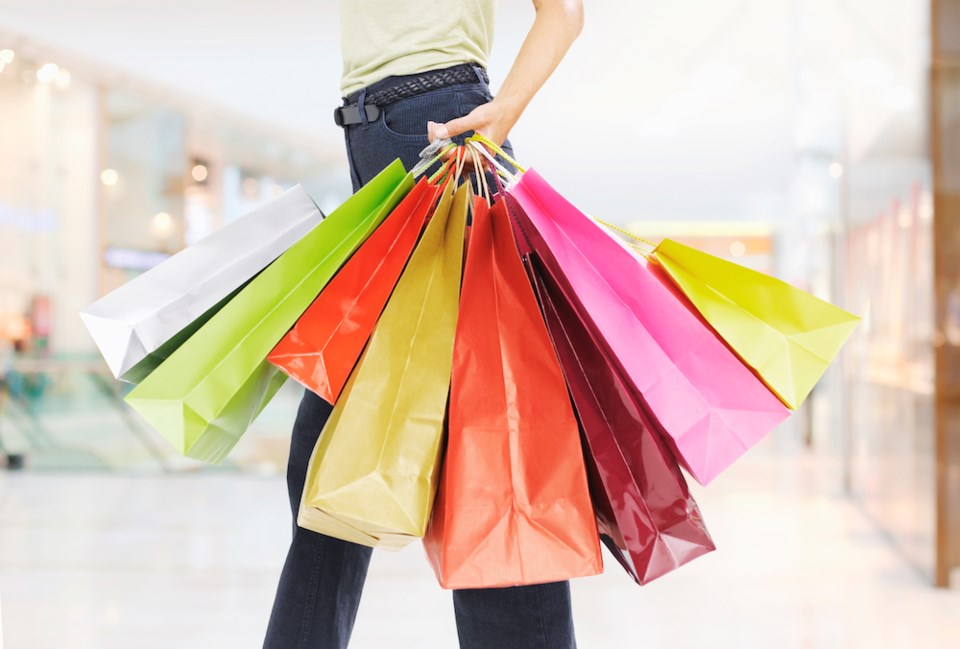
373 474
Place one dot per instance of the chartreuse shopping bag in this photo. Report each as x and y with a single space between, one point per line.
204 396
513 506
323 347
786 335
373 474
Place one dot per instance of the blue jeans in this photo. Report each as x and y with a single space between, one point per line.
323 577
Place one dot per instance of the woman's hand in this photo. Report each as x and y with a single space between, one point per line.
557 25
493 120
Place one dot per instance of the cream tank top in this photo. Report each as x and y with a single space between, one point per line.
385 38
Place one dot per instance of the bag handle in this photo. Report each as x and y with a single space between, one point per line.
480 173
495 165
442 171
493 146
484 145
643 246
461 157
430 154
458 160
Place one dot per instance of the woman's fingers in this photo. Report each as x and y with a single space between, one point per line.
460 125
437 131
490 120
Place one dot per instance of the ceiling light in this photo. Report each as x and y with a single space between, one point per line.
109 177
48 73
161 223
199 172
6 56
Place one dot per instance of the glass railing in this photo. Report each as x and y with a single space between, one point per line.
68 413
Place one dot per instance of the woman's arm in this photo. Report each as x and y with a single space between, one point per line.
557 25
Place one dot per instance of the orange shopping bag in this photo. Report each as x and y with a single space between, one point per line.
513 506
324 345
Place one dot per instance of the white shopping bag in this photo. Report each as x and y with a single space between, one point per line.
145 320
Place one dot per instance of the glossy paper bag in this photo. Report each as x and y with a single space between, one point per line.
373 474
513 506
786 335
325 343
141 323
204 396
712 407
650 522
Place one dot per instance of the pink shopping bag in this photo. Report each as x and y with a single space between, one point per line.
712 407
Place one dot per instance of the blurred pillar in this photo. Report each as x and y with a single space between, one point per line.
945 153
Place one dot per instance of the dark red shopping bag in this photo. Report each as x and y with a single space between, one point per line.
648 519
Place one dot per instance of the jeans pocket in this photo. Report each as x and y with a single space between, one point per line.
408 118
474 96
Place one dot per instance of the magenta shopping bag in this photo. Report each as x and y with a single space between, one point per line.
711 406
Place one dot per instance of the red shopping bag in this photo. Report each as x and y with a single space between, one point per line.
513 506
324 345
650 522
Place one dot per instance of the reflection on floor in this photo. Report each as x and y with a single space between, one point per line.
99 561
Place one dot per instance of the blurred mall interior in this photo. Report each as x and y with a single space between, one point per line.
817 140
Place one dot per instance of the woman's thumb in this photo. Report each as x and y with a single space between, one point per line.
437 131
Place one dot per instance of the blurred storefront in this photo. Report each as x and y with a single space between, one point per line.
100 181
86 166
874 202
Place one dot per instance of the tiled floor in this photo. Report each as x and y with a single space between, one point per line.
100 561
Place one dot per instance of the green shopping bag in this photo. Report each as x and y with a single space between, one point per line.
205 395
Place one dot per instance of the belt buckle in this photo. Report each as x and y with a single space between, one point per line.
344 116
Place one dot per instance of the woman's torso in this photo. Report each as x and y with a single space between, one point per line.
384 38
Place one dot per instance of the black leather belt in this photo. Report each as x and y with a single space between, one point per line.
409 87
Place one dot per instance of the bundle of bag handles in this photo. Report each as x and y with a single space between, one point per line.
478 148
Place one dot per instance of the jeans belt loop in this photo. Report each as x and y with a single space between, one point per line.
361 106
